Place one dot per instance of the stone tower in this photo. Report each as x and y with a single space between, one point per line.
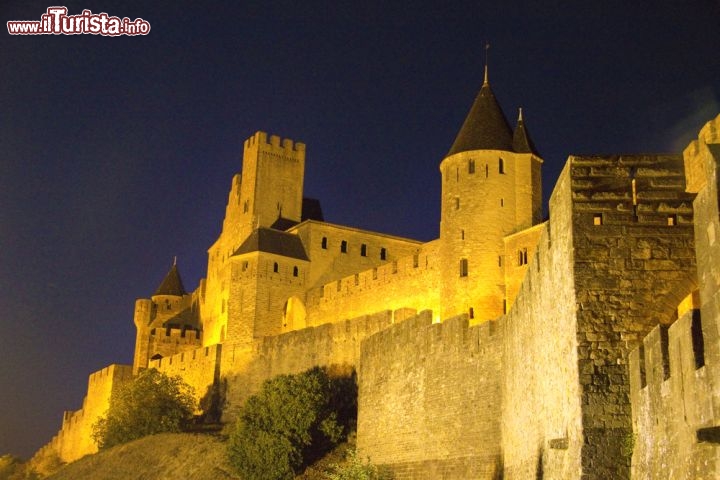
491 187
166 323
267 193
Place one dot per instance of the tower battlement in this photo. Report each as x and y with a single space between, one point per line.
284 144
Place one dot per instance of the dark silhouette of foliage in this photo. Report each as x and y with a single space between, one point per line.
291 422
151 403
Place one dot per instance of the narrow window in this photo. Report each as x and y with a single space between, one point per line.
246 206
672 220
343 246
502 202
244 266
295 271
462 234
457 203
471 166
698 342
665 351
487 171
525 256
504 306
276 267
522 257
643 376
471 313
416 260
457 174
464 267
597 219
501 165
363 250
499 260
323 244
383 254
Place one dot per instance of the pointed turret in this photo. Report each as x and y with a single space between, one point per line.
522 143
485 127
171 284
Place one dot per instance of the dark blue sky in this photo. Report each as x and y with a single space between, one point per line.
116 154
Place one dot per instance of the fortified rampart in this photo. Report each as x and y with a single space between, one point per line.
429 398
675 372
407 282
74 440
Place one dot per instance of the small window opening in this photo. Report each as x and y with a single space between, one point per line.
643 376
323 243
244 266
363 250
457 203
416 260
522 257
246 206
499 260
464 267
502 202
665 351
471 313
672 220
276 267
462 234
471 166
597 219
504 306
383 254
487 170
343 246
457 174
501 165
698 342
295 271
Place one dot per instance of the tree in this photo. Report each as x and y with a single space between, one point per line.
291 422
151 403
355 469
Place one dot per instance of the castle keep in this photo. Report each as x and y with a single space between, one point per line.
583 347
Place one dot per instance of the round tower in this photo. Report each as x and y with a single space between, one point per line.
491 187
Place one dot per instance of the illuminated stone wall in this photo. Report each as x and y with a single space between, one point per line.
429 399
74 440
675 375
541 413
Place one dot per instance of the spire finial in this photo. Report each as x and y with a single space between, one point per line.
175 261
520 119
487 48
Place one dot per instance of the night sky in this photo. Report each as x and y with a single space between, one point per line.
116 154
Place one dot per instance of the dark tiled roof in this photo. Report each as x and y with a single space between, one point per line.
273 241
522 143
311 210
283 224
171 284
485 127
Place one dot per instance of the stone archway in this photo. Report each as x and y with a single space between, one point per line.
294 314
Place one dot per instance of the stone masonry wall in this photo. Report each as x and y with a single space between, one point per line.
672 401
634 263
74 440
244 367
542 428
429 399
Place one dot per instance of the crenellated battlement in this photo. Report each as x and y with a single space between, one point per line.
277 143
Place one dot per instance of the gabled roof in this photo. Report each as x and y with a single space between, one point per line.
171 284
485 127
273 241
522 143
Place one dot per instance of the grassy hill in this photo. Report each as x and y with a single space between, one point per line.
165 456
172 456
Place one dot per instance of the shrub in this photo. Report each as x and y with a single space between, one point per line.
292 421
355 469
151 403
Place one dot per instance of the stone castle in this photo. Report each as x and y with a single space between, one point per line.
583 347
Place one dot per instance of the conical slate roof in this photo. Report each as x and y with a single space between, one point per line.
171 284
485 127
522 143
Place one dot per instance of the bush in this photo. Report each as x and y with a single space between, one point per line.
291 422
151 403
355 469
